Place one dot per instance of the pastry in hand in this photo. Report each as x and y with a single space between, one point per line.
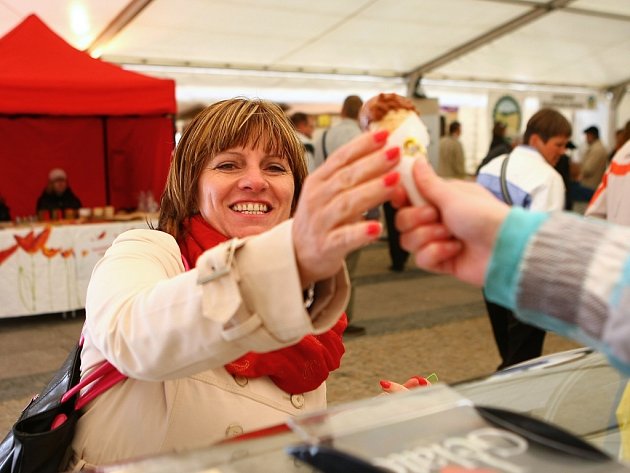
389 112
385 112
398 115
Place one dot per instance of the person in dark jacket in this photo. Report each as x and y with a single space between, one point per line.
5 213
563 166
498 146
57 195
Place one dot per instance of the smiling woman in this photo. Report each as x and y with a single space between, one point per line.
207 318
217 143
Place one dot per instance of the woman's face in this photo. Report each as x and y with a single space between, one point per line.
244 191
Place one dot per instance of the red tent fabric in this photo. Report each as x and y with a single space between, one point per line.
42 74
111 130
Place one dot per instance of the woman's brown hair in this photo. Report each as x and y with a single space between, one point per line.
223 125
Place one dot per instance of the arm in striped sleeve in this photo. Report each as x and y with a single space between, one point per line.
574 279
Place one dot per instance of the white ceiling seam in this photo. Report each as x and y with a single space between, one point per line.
489 36
560 43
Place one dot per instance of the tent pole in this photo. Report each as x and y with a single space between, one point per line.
106 160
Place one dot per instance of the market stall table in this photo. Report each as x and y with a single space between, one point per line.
46 267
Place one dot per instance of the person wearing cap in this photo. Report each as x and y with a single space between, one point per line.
57 195
593 165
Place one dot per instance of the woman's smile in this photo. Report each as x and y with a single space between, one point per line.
251 208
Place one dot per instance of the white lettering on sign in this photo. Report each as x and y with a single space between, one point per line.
486 447
574 101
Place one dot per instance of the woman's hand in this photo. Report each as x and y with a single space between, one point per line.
455 232
389 387
328 222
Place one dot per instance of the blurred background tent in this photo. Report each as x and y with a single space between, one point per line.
466 54
111 130
305 51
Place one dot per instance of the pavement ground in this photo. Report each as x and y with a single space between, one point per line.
416 324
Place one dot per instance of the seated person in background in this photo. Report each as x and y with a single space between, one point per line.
5 213
57 195
224 348
559 271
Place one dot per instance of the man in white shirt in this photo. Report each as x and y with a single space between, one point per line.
529 181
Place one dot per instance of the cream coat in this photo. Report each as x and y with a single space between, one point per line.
171 333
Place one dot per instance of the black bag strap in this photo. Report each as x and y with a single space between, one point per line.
505 192
324 144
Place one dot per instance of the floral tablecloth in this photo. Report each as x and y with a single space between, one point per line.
47 268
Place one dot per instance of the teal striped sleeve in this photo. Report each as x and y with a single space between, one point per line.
503 273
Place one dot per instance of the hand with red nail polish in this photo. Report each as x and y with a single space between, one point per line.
391 387
328 222
415 381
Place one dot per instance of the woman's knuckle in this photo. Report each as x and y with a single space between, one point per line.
345 179
344 205
337 241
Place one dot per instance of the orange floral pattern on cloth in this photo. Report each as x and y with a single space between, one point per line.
4 254
296 369
50 252
32 243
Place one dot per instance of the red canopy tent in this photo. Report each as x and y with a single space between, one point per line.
111 130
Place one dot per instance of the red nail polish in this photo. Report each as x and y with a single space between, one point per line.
392 153
385 384
380 136
421 381
391 179
373 229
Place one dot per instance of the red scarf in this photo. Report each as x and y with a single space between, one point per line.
296 369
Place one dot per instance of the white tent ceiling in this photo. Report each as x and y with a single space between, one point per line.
322 46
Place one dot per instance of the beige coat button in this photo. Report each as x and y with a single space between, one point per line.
241 380
233 430
297 400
